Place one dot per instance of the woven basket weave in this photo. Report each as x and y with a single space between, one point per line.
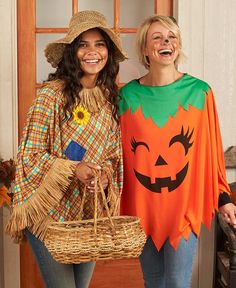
111 237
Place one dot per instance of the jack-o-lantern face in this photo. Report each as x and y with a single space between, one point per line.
161 182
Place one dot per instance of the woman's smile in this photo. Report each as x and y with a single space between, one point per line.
92 52
162 45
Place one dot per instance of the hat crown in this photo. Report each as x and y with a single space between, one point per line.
88 17
79 23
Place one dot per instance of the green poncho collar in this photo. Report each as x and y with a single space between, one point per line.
161 102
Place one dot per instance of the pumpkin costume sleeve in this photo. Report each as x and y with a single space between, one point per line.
174 167
41 177
217 147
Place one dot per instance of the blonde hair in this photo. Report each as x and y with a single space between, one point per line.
141 39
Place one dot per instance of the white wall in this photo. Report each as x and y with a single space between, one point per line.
209 36
209 40
9 252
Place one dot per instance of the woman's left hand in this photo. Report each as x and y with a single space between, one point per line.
104 181
229 213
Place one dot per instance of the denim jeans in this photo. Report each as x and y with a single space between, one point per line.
168 268
57 275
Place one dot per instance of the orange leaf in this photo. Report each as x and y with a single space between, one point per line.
4 198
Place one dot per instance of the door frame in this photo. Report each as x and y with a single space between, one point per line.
9 252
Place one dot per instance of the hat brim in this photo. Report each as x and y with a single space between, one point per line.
54 50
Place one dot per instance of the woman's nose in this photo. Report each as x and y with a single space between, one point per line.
92 50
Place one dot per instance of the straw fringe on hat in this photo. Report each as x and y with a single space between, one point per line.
80 23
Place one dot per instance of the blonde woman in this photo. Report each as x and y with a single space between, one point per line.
174 175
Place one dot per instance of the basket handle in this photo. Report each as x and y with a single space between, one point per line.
98 185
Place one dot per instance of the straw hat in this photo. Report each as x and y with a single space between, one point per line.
80 23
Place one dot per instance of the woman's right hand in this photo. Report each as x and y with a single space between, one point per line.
84 172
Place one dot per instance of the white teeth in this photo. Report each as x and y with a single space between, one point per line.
92 61
165 51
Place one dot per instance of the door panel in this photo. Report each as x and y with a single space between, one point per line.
39 22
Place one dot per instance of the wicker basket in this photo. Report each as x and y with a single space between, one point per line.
112 237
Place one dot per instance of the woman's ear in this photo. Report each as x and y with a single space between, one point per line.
145 52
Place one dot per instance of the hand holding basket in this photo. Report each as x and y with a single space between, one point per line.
111 237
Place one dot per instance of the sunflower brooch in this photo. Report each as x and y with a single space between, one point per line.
80 115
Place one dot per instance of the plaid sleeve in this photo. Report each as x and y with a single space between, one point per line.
34 158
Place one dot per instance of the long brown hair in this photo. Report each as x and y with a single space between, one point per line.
70 72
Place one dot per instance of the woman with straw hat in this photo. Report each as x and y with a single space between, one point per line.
71 130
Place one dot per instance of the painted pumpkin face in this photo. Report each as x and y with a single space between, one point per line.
167 181
160 159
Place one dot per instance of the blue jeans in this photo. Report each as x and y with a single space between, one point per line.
168 268
57 275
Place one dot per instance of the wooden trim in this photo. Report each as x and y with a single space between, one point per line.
51 30
38 85
127 30
155 6
26 48
75 6
116 15
163 7
64 30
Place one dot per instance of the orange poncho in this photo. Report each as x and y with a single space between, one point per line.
173 157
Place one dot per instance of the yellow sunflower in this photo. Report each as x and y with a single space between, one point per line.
80 115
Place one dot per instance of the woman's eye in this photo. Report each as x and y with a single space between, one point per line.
82 45
101 44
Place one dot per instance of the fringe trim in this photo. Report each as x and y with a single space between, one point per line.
93 99
39 229
34 212
113 198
